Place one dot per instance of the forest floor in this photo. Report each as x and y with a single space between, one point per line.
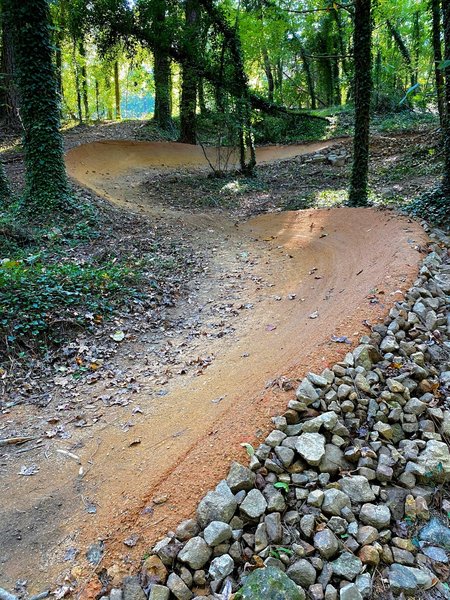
132 421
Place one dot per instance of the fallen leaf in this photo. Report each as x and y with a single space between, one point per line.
131 541
117 336
28 471
340 339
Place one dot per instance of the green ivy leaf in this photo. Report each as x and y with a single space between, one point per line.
249 448
281 485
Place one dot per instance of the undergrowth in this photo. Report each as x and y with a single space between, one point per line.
40 301
432 205
47 287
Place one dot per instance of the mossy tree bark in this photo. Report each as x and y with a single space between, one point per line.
362 39
46 182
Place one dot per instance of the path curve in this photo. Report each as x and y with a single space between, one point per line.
288 266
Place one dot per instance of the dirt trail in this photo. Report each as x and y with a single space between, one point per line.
346 265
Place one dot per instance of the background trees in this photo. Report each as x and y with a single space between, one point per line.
238 62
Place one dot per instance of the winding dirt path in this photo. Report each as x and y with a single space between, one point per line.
286 267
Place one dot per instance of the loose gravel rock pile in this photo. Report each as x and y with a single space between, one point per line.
347 492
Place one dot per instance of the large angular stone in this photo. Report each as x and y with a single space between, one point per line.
408 579
302 572
377 515
357 488
334 501
218 505
306 392
326 543
268 584
195 553
216 533
366 356
240 478
178 588
311 447
347 566
254 504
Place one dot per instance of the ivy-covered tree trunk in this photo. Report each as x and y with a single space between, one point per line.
437 54
188 104
362 39
446 129
46 181
9 99
162 75
161 65
5 190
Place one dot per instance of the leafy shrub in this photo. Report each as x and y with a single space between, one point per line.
285 128
38 301
434 206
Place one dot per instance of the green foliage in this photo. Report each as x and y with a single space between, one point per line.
404 121
286 128
434 206
39 300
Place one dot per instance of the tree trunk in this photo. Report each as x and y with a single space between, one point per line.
10 100
416 46
437 52
446 177
362 88
161 65
377 79
243 97
117 90
58 63
309 78
201 96
46 182
403 50
109 101
336 82
268 71
162 76
188 104
97 99
84 83
5 190
77 82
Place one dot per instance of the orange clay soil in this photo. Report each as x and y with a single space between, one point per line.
189 436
